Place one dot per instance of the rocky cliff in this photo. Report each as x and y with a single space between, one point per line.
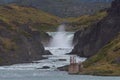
90 40
106 62
20 46
20 40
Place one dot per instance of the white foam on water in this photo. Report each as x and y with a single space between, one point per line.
61 39
59 50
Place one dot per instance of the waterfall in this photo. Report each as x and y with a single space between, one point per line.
61 38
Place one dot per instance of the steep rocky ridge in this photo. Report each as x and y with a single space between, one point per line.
90 40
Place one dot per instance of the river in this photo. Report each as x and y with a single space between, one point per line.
59 57
46 75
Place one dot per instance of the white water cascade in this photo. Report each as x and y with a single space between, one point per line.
61 43
61 39
58 46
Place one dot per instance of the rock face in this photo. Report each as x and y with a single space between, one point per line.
20 46
45 39
91 40
106 62
22 36
115 9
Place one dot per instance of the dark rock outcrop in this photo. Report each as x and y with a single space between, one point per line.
45 67
21 35
92 39
47 52
45 39
20 46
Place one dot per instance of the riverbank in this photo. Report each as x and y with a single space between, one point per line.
95 71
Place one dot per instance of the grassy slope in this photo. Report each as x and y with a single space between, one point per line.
106 61
12 17
85 21
15 15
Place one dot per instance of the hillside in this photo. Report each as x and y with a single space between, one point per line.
78 23
100 43
64 8
22 33
15 15
106 61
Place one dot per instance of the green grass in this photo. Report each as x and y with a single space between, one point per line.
104 62
14 15
85 21
13 18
